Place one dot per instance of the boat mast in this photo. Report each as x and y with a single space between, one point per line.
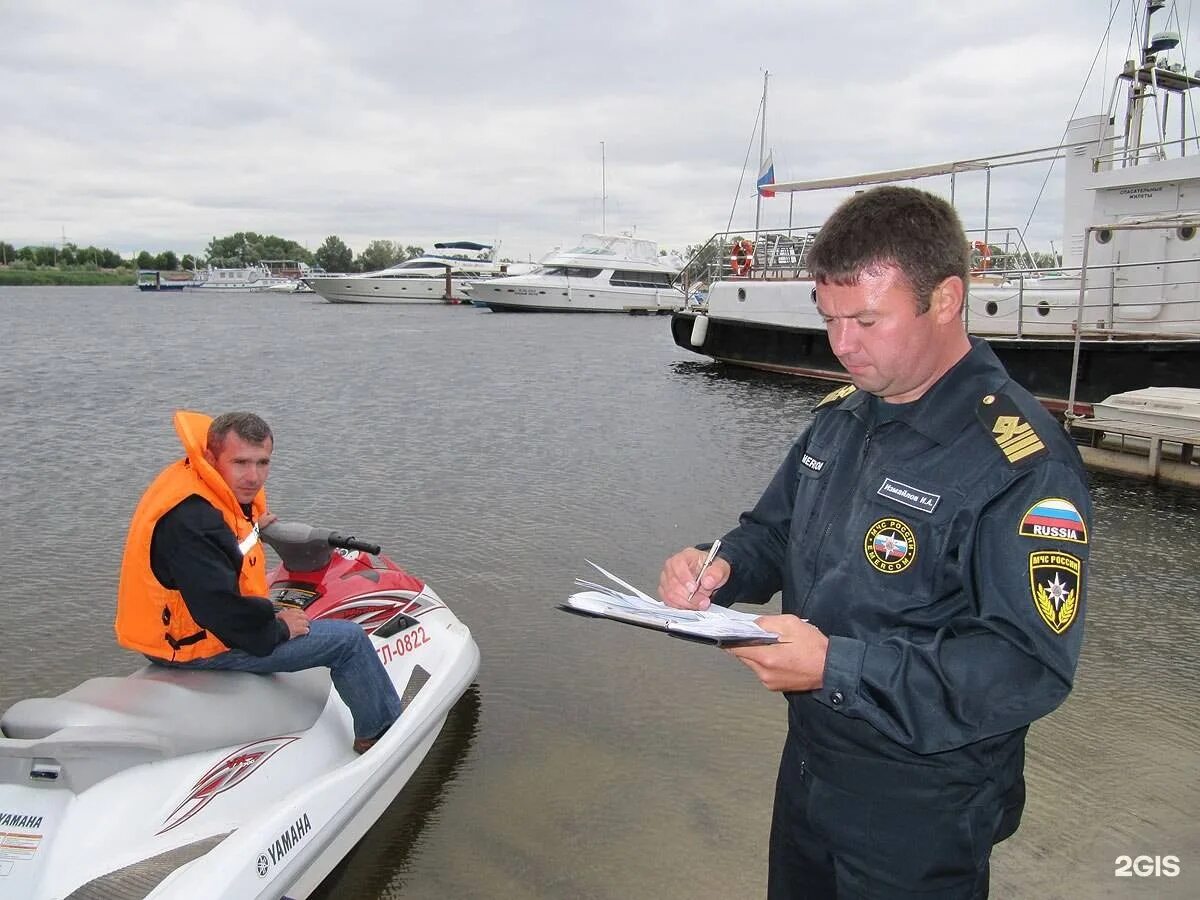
1146 79
1137 92
603 193
762 155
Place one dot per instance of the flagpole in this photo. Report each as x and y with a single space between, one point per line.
762 146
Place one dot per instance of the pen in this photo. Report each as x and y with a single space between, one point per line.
712 554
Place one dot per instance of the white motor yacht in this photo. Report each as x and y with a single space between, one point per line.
603 273
442 276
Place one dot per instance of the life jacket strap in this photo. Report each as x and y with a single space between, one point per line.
186 641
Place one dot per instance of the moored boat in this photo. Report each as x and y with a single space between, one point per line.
164 280
241 279
602 273
1121 312
1170 407
441 276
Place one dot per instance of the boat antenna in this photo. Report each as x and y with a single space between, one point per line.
1184 30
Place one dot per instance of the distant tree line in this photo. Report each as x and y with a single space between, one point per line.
246 247
67 255
236 250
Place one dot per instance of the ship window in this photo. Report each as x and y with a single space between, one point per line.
1187 232
1043 308
991 308
741 293
573 271
622 278
419 264
1104 235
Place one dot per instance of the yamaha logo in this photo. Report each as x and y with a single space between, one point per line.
263 865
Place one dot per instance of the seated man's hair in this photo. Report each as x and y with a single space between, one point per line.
246 425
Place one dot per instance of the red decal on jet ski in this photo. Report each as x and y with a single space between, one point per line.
228 773
370 613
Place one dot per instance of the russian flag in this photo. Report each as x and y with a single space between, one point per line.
766 176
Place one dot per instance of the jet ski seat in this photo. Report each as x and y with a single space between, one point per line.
178 711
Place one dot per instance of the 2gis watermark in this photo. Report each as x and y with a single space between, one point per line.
1157 866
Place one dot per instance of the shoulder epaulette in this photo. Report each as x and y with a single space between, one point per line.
1016 438
837 395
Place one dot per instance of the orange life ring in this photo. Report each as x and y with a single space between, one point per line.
985 254
741 257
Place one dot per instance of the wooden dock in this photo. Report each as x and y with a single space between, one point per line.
1150 440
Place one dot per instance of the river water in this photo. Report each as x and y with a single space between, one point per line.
491 454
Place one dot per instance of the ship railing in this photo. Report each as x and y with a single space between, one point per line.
1148 151
783 253
774 253
1004 249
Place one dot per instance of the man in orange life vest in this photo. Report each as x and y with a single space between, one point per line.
194 584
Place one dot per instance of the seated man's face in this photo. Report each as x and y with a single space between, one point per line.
243 465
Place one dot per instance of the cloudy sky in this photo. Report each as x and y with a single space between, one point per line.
139 125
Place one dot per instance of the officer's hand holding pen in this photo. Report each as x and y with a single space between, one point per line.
680 584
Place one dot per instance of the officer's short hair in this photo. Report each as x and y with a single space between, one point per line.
918 233
249 427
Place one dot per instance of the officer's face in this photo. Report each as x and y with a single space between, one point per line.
886 347
243 465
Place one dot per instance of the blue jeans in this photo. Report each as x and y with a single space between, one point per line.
342 647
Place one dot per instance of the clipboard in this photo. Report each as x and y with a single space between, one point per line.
716 625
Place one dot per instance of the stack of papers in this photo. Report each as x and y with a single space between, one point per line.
715 625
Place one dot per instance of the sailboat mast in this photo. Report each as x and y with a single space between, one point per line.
762 155
603 193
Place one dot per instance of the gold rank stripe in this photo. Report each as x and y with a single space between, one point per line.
835 395
1020 443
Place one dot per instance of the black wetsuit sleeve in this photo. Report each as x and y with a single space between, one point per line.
194 552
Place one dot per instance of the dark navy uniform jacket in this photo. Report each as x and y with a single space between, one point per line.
941 545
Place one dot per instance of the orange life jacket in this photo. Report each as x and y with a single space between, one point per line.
151 618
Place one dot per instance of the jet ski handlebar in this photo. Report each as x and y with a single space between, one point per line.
353 543
303 548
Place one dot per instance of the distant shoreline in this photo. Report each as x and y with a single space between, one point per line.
10 277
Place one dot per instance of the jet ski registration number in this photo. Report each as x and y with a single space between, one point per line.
404 643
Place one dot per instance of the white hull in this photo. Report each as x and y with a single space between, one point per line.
267 817
254 288
603 273
289 287
558 295
408 289
1166 406
1040 308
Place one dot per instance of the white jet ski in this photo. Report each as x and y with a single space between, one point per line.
177 784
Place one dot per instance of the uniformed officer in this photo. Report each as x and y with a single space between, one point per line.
929 532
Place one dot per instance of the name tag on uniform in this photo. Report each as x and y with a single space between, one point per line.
906 494
812 463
